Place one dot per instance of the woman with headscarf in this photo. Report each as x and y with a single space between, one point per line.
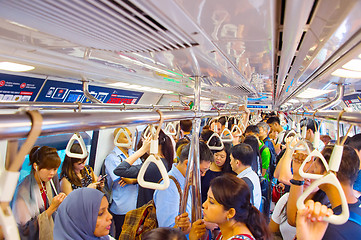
35 198
83 215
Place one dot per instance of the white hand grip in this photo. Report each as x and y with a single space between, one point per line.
304 132
236 128
162 170
226 138
154 146
170 129
330 178
298 145
314 153
215 147
8 182
8 224
316 140
289 133
293 125
77 137
335 159
148 132
116 143
298 127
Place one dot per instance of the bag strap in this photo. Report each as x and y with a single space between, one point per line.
176 183
251 187
262 148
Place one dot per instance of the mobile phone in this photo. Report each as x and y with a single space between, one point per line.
102 177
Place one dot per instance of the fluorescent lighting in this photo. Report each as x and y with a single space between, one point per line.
353 65
119 84
15 67
346 73
312 93
293 101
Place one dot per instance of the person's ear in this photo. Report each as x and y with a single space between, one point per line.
186 162
36 167
231 213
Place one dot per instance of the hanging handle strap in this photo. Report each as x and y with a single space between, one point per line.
154 158
10 176
215 135
116 143
226 135
170 129
235 128
314 153
76 137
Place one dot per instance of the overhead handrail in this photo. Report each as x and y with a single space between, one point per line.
76 137
170 129
217 148
329 178
9 177
118 144
154 158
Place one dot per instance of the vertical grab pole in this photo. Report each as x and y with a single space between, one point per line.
193 180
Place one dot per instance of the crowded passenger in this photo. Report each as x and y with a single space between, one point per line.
75 174
83 215
124 196
36 198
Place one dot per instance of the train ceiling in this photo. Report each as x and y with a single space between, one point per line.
277 52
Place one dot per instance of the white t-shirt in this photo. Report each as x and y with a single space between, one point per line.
279 216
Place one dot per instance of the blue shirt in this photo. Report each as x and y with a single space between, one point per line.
257 195
124 198
167 201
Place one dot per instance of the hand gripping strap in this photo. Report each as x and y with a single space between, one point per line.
329 178
116 143
76 137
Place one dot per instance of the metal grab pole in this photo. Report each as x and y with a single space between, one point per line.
347 117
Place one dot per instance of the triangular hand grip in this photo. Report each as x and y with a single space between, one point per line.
215 135
314 153
226 137
158 162
289 133
235 128
301 145
241 125
148 132
76 137
170 129
304 132
329 178
116 143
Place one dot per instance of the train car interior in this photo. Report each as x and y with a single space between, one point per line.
81 69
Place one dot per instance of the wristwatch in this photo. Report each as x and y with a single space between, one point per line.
297 182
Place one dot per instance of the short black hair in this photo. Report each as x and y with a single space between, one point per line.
252 128
273 119
355 142
243 152
185 125
310 124
205 153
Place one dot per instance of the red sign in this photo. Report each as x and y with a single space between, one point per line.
2 83
26 93
23 85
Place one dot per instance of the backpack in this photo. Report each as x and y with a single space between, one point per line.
143 219
272 163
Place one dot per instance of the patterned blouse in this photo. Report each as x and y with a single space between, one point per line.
85 181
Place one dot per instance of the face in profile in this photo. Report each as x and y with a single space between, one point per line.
212 210
104 219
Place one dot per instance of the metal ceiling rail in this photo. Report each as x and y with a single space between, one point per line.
75 106
18 125
347 117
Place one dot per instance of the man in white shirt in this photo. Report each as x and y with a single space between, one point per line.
241 159
275 125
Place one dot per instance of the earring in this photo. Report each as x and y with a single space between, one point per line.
227 219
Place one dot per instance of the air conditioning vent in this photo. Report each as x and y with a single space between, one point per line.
117 25
243 90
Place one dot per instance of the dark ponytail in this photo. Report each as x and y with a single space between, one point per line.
237 195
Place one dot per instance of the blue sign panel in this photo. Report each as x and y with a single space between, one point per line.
55 91
19 88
